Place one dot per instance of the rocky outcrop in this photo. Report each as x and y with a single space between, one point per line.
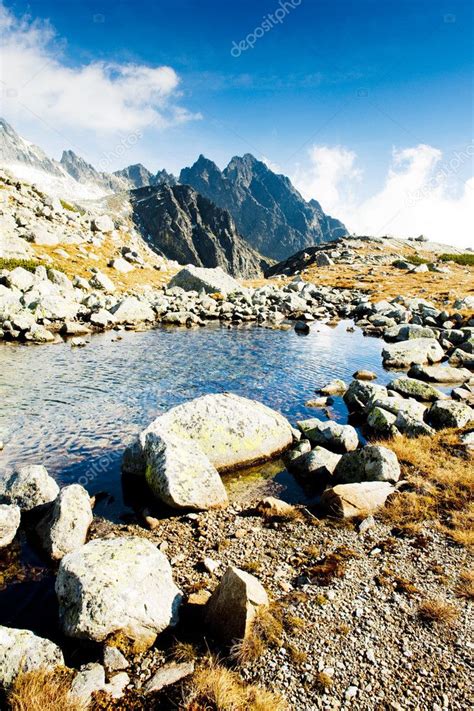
233 605
29 487
22 651
183 225
268 211
123 585
231 431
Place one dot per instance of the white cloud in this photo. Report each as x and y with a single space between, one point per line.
329 177
96 97
421 194
275 167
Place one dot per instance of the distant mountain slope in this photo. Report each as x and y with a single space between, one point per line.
138 176
181 224
268 211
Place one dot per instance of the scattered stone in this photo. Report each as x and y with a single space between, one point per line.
233 605
410 387
103 223
364 375
114 660
101 281
317 465
271 507
168 675
371 463
339 438
335 387
349 500
448 413
64 527
213 281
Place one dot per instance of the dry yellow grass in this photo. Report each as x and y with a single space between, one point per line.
43 690
215 688
437 612
465 585
442 485
266 631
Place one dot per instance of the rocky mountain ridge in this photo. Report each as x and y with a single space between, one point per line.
181 224
268 210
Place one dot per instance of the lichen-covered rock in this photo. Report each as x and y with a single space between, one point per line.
417 350
339 438
10 517
122 585
371 463
22 651
349 500
179 473
396 404
381 420
64 527
412 426
411 387
232 607
232 431
29 487
213 281
448 413
360 394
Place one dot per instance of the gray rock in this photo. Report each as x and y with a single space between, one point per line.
440 373
412 426
179 473
89 679
10 517
396 404
123 585
410 387
371 463
231 431
381 420
215 280
22 651
167 675
20 279
121 265
407 332
232 607
335 387
39 334
448 413
349 500
99 280
102 223
339 438
131 310
303 447
360 395
29 487
417 350
114 660
318 464
64 527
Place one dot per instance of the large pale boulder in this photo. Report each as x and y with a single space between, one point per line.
417 350
23 651
64 527
418 389
21 279
10 303
448 413
29 487
213 281
131 310
99 280
102 223
232 431
339 438
316 466
440 373
179 473
371 463
122 585
233 605
349 500
396 404
10 516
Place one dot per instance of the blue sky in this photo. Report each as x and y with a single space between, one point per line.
334 95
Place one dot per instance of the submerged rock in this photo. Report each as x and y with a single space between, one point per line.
64 527
179 473
29 487
233 605
10 516
349 500
123 585
22 651
231 431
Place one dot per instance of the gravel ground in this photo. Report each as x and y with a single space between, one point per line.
361 630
